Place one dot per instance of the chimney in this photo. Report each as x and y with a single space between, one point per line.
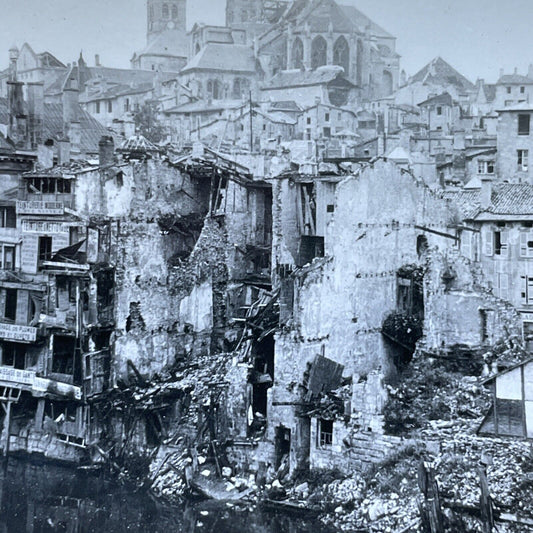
17 126
516 70
106 148
64 152
13 58
45 154
75 137
129 128
486 192
501 72
530 71
35 91
70 99
97 60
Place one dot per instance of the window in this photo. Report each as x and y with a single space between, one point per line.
523 124
508 90
308 120
501 244
526 292
522 157
502 285
325 432
330 208
327 132
439 110
97 107
110 106
8 217
526 244
166 13
339 116
10 309
485 167
522 90
14 355
127 105
9 258
326 117
45 248
174 11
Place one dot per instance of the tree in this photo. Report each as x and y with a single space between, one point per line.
148 123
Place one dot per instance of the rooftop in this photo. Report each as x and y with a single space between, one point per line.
439 72
225 57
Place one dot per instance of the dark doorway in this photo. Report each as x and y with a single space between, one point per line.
283 445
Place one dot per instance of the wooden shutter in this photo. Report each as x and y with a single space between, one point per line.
488 247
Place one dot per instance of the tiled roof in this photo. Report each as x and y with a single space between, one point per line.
298 78
91 129
441 99
223 57
118 90
522 106
508 199
362 21
138 143
438 72
287 105
174 43
202 106
514 79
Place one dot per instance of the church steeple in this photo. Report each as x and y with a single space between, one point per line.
166 15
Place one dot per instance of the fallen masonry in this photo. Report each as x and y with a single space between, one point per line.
312 338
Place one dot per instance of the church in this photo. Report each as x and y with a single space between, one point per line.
268 37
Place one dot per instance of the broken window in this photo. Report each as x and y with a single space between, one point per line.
63 355
523 124
325 432
10 310
14 355
8 217
45 248
522 160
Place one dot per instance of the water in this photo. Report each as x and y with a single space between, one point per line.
46 498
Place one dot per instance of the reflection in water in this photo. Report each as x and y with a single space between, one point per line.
45 498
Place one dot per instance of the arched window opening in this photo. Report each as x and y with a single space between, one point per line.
319 52
387 83
341 54
297 53
237 88
174 12
165 11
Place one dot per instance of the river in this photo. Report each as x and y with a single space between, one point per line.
37 497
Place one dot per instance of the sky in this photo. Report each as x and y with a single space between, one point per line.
477 37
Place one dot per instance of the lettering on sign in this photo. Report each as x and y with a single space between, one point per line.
40 208
8 373
527 317
44 226
18 333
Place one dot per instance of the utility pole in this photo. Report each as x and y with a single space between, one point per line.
251 124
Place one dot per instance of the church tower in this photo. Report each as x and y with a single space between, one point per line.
166 15
243 11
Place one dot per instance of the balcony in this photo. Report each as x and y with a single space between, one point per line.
29 380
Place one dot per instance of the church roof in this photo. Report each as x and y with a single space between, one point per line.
225 57
439 72
323 14
299 78
169 43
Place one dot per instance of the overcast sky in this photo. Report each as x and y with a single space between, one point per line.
478 37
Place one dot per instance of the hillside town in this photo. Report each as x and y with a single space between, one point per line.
265 265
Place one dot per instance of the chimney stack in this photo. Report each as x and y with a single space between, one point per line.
70 99
64 152
486 192
35 112
97 60
106 148
75 137
17 125
501 72
530 71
